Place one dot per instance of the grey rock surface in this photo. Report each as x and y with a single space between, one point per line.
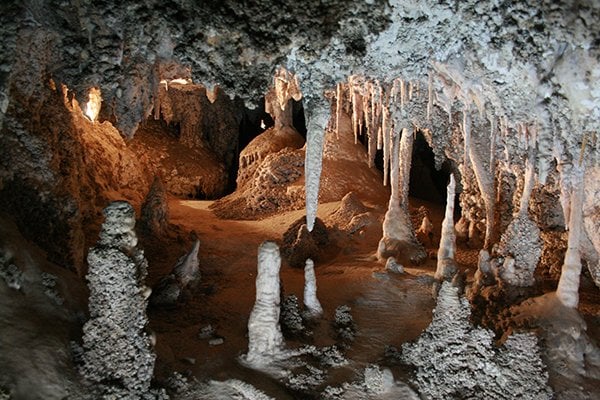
117 349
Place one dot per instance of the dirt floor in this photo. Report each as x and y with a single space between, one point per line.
388 309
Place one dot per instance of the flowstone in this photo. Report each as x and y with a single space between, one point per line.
117 349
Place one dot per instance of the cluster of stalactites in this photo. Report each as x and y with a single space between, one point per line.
378 110
285 88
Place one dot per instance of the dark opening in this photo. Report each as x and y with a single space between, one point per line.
298 119
426 182
254 122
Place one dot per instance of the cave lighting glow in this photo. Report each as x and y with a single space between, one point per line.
92 107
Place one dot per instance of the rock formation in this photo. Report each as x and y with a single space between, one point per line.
455 360
155 209
265 341
117 350
186 272
311 302
568 285
299 244
399 238
446 266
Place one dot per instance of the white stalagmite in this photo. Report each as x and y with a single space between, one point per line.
446 267
265 340
317 119
311 302
398 235
568 285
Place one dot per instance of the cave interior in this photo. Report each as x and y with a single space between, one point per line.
299 200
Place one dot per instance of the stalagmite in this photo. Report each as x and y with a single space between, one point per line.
446 267
117 350
520 244
154 217
311 302
399 238
168 291
186 270
265 340
317 118
568 285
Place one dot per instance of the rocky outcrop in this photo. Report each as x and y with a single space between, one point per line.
300 245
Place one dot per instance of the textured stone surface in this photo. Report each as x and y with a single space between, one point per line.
299 244
455 360
117 350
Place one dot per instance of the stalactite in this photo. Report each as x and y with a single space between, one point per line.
386 144
466 125
446 267
406 145
529 176
429 96
568 285
338 108
317 119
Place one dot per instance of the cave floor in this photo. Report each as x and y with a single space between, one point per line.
388 309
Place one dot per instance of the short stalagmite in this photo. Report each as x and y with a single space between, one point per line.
311 302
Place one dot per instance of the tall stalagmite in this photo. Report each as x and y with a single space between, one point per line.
265 340
117 350
568 285
446 267
399 238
